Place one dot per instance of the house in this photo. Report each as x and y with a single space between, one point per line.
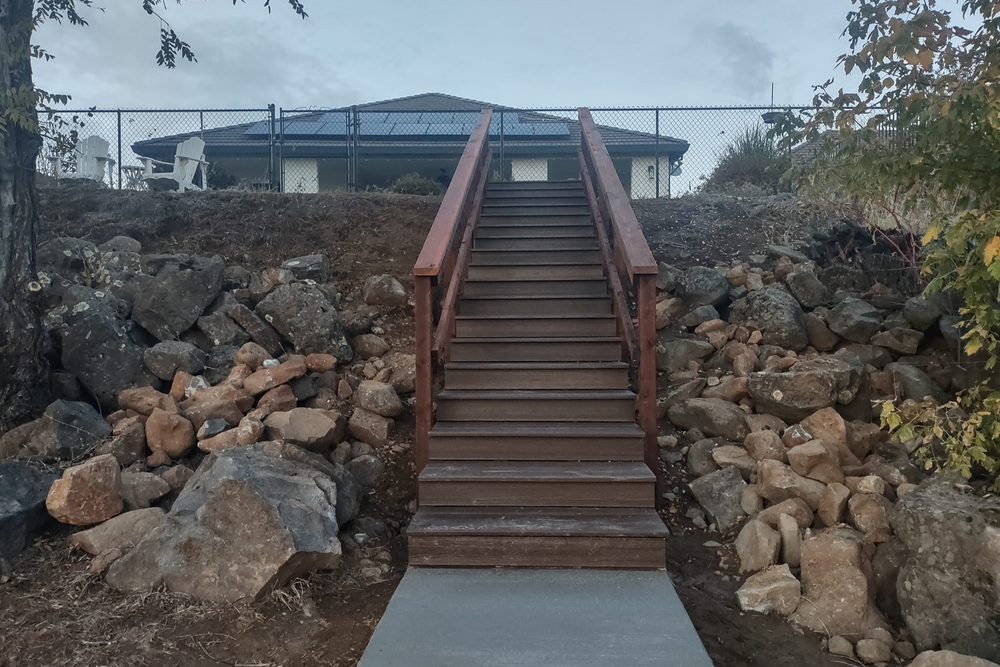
371 145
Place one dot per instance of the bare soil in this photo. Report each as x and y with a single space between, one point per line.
53 612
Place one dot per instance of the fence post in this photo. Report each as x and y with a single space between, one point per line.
657 153
271 165
503 159
281 151
119 149
355 145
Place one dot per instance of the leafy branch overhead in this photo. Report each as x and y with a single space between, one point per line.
922 133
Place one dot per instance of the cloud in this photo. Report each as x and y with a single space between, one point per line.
746 63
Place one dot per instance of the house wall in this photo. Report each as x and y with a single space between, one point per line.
249 172
644 187
301 175
529 169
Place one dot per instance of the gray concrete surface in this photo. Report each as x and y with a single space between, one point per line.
541 618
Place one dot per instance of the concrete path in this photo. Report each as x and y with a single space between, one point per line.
537 618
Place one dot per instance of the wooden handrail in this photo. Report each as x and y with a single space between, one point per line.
457 201
629 239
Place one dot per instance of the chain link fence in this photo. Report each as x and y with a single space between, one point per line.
658 152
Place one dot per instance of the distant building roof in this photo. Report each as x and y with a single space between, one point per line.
428 125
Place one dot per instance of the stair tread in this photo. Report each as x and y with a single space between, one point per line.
560 340
536 471
536 297
535 394
534 365
545 316
547 521
532 429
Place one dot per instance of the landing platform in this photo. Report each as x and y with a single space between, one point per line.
534 618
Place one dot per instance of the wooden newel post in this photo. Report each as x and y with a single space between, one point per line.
647 367
424 316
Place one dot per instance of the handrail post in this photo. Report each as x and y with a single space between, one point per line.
423 406
647 367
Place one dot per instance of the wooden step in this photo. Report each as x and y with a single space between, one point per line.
534 257
537 243
537 375
622 538
520 306
537 349
536 441
530 199
536 272
536 231
583 287
536 210
534 186
495 219
535 326
590 405
536 484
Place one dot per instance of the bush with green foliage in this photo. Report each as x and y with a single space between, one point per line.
753 158
415 184
925 127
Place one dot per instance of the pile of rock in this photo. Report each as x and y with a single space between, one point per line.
203 366
774 371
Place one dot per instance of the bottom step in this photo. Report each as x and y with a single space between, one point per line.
537 537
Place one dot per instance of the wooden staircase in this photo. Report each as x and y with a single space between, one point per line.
535 459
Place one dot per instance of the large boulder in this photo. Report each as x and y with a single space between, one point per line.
778 315
302 314
921 313
179 294
22 504
67 257
711 416
837 586
675 354
237 504
65 430
911 382
855 320
719 495
793 395
703 286
949 587
949 659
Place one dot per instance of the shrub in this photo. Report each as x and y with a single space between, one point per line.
415 184
753 158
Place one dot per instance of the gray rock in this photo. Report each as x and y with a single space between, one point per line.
384 290
65 430
889 559
675 354
855 320
712 416
949 659
367 469
703 286
121 244
66 257
666 277
793 395
699 456
303 315
904 341
166 358
870 355
235 277
839 276
232 533
259 331
911 382
22 504
178 296
779 251
808 288
219 362
309 267
778 315
948 589
222 330
719 494
951 331
697 316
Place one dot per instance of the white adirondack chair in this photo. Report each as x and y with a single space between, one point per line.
91 157
190 157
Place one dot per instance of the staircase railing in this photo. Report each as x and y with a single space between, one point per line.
630 267
441 268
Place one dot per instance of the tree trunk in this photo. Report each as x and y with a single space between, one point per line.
24 381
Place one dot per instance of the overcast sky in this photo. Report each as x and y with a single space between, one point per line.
530 53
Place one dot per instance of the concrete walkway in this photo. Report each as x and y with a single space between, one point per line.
537 618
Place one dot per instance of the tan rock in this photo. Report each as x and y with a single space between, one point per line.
765 445
832 504
861 437
793 507
249 431
766 423
750 502
169 432
379 398
757 546
158 458
829 426
777 482
744 365
265 378
840 646
662 315
734 456
88 493
816 459
139 489
872 651
344 390
325 399
791 540
949 659
184 385
819 334
795 435
314 430
369 345
128 445
321 363
177 476
869 513
730 388
199 413
252 355
872 484
237 376
144 400
838 583
369 427
773 589
279 399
